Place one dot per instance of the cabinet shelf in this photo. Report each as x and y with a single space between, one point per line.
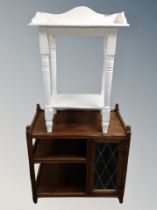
60 150
61 179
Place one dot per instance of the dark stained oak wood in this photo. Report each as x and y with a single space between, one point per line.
66 155
62 179
124 150
63 150
31 165
78 123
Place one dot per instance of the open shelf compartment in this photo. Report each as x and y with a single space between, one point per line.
64 150
61 179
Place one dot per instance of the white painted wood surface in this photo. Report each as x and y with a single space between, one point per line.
53 63
52 45
79 16
77 101
109 54
78 21
45 63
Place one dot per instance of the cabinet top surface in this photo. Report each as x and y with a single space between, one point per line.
79 124
79 17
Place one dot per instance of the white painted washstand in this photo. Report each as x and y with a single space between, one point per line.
85 22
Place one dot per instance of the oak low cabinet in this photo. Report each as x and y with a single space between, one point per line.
77 159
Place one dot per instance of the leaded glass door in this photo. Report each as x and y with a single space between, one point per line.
105 165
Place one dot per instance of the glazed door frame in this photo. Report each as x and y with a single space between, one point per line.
122 152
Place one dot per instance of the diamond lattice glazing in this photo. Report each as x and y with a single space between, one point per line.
106 165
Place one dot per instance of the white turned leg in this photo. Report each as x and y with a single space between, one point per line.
52 47
49 118
54 111
47 92
45 62
109 53
107 94
105 118
53 65
46 77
